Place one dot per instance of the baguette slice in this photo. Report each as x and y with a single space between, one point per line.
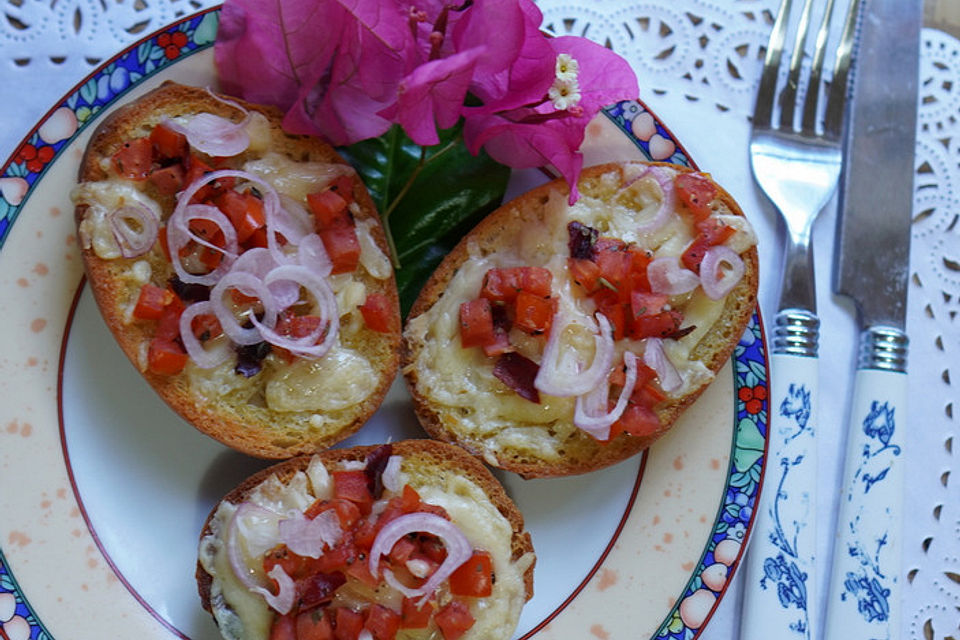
443 475
460 398
288 405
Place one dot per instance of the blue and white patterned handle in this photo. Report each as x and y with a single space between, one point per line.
864 596
779 592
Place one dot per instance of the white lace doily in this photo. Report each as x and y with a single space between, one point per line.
698 63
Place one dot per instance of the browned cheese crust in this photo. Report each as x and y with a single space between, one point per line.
431 461
581 452
249 427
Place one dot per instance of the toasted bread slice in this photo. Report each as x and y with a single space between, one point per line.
261 399
445 478
465 396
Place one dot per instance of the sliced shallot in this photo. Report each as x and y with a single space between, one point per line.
656 358
667 276
457 546
560 374
391 474
326 301
215 135
589 412
135 229
282 602
306 537
664 179
259 261
313 255
720 271
250 285
201 356
179 235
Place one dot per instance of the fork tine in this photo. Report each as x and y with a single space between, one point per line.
788 97
763 109
808 124
839 89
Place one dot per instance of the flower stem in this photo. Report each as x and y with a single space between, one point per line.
385 216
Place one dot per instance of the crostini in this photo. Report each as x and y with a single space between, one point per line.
242 270
412 540
556 339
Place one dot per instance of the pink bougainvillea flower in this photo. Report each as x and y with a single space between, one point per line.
432 96
518 69
264 51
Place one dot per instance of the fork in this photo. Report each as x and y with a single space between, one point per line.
796 160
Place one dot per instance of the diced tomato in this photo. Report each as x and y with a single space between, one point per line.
501 285
151 302
696 191
647 395
360 571
637 420
352 485
402 550
644 375
314 625
343 247
293 565
382 622
166 357
343 186
196 169
454 620
646 304
329 209
294 326
533 313
168 144
283 628
474 577
585 273
245 212
432 548
259 239
347 624
134 159
378 314
536 280
658 325
500 345
164 243
168 325
609 304
614 261
476 323
711 232
206 326
639 261
347 512
168 180
414 617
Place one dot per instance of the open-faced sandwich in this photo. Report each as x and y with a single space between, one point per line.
414 540
242 270
556 339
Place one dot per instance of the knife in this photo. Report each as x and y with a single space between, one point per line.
872 268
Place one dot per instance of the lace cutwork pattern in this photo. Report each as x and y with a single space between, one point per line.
710 52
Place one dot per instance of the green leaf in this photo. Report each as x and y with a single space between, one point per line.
450 192
749 445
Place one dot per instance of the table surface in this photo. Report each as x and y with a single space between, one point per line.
697 62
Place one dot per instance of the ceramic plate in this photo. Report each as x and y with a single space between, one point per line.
103 489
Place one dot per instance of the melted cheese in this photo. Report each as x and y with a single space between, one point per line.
244 615
462 379
101 199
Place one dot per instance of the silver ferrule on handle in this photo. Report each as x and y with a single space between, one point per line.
796 332
883 348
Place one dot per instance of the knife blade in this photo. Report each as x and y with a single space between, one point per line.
872 268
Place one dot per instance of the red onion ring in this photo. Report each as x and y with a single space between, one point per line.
667 276
201 356
563 377
306 346
249 285
458 549
656 358
598 424
716 280
124 222
313 255
260 262
391 474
